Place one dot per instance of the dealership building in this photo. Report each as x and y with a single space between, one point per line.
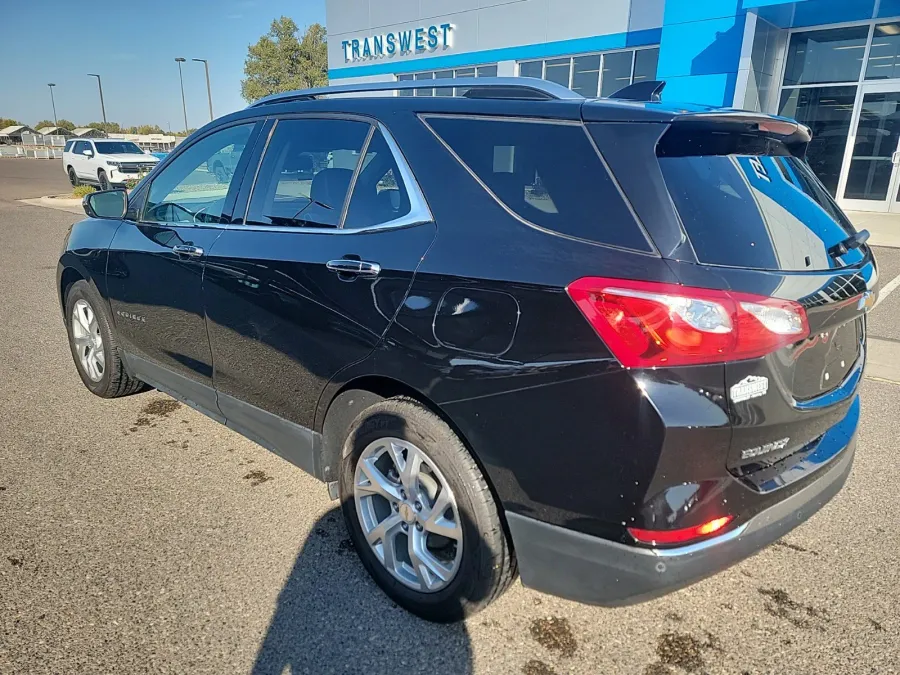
832 64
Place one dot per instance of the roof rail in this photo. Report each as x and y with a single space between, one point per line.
527 87
648 90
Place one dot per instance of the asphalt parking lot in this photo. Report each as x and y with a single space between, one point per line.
137 535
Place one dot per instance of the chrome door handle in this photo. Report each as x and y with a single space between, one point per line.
358 268
188 250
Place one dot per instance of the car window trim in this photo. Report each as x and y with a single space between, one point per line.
424 117
256 123
419 212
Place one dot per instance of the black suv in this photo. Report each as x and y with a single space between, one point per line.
612 346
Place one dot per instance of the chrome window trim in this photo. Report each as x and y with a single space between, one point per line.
356 171
653 253
419 212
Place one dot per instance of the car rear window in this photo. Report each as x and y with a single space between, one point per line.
746 201
549 174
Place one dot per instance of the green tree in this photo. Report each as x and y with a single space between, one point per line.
280 61
148 129
42 124
65 124
108 127
7 122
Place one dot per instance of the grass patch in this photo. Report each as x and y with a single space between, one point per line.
82 190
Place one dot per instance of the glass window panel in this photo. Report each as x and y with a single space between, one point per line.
306 172
424 92
405 92
531 69
826 55
379 195
548 174
645 62
465 72
486 71
616 72
558 71
827 111
443 75
876 138
884 57
586 79
186 191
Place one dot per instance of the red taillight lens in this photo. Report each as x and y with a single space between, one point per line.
682 536
649 324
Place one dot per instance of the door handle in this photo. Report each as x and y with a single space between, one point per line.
188 250
357 268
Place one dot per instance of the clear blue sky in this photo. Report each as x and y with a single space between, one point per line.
132 46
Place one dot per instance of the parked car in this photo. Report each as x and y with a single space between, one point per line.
105 163
611 346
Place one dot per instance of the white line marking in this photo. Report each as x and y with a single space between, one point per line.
888 289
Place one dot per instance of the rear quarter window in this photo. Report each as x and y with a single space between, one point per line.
548 174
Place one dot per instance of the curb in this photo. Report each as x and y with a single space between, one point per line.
58 203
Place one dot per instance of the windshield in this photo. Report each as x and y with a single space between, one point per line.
759 207
118 148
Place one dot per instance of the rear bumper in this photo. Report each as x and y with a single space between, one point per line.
588 569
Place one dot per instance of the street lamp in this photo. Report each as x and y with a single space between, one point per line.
102 106
208 92
51 85
180 60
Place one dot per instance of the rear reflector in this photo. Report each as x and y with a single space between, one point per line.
648 324
681 536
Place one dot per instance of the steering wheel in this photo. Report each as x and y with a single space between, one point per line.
157 213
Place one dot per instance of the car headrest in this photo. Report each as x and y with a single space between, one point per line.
330 186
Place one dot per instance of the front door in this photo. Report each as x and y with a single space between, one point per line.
872 168
155 271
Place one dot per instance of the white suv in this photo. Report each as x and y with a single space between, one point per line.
105 162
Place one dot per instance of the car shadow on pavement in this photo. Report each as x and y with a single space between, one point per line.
332 618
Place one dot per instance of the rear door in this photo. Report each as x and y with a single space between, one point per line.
760 222
310 280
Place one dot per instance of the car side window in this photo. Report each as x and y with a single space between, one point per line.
69 145
379 195
80 147
187 190
306 172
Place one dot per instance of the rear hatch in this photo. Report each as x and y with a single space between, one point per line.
760 222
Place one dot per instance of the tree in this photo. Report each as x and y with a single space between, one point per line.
43 123
108 127
65 124
7 122
280 61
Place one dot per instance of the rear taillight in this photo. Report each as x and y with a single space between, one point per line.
648 324
681 536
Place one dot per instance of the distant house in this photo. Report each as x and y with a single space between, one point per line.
54 131
88 132
13 135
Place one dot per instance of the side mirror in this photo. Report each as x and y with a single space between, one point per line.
105 204
87 153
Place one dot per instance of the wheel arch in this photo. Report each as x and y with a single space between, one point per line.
361 392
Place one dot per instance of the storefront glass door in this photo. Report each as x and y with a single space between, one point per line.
871 172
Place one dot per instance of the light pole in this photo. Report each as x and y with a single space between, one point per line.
100 86
208 91
51 85
180 60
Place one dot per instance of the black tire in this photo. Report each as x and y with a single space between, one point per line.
487 565
73 177
104 181
115 381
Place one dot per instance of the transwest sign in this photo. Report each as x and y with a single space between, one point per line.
414 40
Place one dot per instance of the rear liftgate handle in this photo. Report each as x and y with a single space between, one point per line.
347 268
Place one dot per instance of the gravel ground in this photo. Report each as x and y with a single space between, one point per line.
138 536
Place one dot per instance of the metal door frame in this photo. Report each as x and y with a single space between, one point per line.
889 204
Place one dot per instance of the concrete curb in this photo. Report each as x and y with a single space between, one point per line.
57 203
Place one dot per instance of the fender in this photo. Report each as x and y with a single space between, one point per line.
85 254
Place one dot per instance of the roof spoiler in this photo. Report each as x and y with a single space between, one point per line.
648 91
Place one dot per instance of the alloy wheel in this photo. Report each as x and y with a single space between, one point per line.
87 340
408 514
